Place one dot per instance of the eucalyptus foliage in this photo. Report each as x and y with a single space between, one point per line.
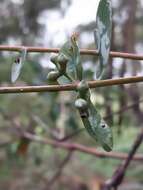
69 69
17 65
102 34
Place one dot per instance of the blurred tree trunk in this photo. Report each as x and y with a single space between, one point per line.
107 97
129 40
122 97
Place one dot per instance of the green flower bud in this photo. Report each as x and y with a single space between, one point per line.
62 61
54 58
81 104
53 75
82 107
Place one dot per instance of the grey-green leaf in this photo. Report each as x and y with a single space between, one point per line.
92 120
102 34
100 130
17 65
71 50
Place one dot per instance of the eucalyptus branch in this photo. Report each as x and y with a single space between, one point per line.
82 51
81 148
70 87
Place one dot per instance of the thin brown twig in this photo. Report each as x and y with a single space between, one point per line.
60 169
83 51
119 174
70 87
81 148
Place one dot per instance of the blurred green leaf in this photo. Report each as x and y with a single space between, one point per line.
71 50
102 34
17 65
92 120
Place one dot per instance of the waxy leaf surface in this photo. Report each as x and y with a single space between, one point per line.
17 65
102 34
94 123
71 50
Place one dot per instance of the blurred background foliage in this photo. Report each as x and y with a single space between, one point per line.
52 115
